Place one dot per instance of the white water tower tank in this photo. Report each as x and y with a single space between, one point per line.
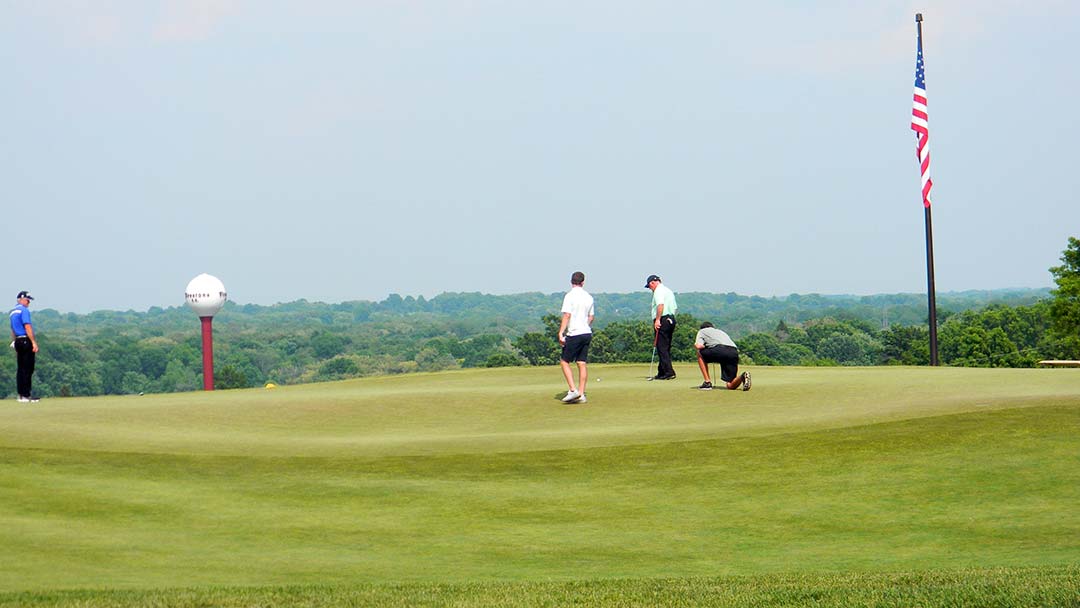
205 295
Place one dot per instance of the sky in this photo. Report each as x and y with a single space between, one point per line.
347 150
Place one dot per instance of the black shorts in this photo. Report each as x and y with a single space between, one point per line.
726 356
576 348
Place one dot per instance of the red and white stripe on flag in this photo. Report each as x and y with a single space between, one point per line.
920 126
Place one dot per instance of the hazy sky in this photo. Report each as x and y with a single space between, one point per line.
344 150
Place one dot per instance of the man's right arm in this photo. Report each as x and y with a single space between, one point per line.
30 334
562 327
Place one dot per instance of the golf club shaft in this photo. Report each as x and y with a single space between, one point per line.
652 361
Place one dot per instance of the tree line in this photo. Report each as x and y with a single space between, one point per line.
996 336
126 352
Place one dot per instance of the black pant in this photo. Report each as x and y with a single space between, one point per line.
24 350
663 346
726 356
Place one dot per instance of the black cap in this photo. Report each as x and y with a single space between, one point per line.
24 294
652 277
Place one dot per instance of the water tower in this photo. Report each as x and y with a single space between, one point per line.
206 295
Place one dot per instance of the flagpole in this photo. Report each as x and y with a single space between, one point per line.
930 287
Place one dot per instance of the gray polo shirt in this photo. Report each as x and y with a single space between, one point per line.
710 336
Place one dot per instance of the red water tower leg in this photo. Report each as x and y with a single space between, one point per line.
208 353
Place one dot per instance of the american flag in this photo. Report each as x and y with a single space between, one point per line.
919 125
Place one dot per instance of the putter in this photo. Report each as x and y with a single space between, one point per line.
652 361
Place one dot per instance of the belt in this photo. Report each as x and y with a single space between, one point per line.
22 337
667 316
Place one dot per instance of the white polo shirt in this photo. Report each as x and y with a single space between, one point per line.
579 304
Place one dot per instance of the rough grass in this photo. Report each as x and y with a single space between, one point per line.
984 588
834 486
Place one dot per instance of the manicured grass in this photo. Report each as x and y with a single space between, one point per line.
479 485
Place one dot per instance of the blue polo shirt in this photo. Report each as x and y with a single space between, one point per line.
20 318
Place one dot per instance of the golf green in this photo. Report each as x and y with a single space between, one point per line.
483 476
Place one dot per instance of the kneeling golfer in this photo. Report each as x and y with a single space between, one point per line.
575 333
715 346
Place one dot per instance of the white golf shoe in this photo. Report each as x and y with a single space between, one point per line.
571 396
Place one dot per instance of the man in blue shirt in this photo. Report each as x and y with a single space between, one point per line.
25 344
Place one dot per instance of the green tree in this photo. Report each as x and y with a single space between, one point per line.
503 360
624 342
1065 307
764 349
1003 352
133 383
338 368
682 342
178 376
229 376
782 332
538 349
153 356
327 345
905 345
965 344
552 323
796 354
842 348
432 360
600 348
118 358
475 351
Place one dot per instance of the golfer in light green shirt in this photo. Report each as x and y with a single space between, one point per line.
663 313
